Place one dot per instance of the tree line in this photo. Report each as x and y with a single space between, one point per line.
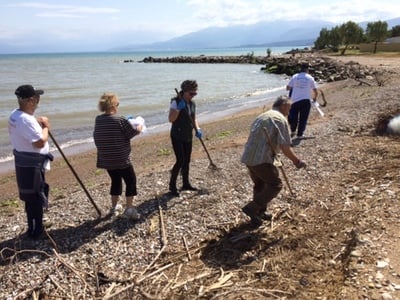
351 33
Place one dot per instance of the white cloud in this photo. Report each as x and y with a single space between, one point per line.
356 10
150 21
227 12
57 15
223 12
60 10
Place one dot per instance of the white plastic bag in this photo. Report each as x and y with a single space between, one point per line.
137 121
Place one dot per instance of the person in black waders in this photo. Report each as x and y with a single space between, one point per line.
182 115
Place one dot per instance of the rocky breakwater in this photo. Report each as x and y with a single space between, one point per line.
323 68
212 59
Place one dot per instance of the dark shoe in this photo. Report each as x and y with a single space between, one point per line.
266 216
188 187
38 235
256 220
27 235
173 193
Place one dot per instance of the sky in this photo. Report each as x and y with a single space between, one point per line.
90 25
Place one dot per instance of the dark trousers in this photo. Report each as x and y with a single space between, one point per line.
183 152
34 214
298 116
129 177
34 210
267 186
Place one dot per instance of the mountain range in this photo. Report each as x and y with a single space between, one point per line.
263 34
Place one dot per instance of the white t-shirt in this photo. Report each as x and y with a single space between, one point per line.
24 130
302 84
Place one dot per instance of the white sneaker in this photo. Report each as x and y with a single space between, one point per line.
131 213
116 210
46 222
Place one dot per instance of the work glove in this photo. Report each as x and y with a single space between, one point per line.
199 133
300 164
315 103
181 104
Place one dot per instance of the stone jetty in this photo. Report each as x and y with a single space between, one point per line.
323 68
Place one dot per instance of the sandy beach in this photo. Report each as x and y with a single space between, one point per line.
324 243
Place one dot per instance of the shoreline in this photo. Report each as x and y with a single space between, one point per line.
144 91
77 140
146 153
71 136
7 167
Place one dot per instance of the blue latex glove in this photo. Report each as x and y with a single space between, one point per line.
181 104
199 133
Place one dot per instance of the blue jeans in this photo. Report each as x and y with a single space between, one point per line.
298 116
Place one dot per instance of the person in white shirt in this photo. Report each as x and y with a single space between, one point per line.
300 87
29 137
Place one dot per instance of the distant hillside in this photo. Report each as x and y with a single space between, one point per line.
277 33
264 34
306 42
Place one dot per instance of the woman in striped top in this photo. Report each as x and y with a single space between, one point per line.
112 137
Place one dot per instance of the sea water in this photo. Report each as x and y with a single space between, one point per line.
73 83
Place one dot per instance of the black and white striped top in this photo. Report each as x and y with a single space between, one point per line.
112 135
